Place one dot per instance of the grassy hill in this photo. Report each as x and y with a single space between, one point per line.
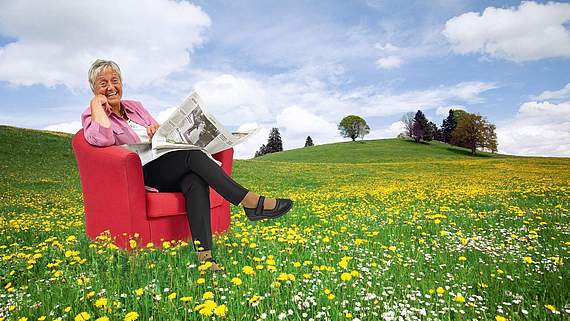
395 228
375 151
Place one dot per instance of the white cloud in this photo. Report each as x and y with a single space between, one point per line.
538 129
557 94
390 104
387 132
530 32
68 127
389 62
58 40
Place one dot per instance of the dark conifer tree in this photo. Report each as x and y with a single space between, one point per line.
420 127
309 142
448 127
274 143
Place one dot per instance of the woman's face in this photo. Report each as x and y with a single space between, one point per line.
109 84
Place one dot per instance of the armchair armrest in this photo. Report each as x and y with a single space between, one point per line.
113 188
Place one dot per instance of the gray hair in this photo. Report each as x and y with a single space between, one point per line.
99 66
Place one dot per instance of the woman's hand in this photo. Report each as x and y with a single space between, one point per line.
150 130
101 101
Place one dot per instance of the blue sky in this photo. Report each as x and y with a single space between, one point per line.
299 65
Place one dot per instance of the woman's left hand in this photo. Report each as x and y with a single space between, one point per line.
150 130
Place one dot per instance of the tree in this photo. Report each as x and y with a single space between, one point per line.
474 131
408 120
309 142
274 143
420 127
353 126
431 132
448 126
262 151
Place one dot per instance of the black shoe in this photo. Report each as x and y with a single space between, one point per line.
282 206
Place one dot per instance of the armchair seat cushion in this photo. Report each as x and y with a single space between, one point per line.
170 204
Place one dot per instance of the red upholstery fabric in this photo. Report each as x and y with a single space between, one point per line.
114 197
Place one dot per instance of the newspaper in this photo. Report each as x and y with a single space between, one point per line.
189 127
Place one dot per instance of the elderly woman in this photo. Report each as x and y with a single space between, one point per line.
112 121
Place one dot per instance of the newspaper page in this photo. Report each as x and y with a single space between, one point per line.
192 127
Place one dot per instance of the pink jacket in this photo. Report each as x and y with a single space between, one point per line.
120 132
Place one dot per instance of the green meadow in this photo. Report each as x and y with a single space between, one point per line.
380 230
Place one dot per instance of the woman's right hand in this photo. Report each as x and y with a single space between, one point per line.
101 101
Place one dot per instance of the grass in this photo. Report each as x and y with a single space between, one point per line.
380 229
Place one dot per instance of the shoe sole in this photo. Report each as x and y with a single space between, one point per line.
270 217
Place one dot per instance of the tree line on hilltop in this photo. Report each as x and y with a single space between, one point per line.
459 128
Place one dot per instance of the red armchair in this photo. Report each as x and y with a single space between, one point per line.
115 199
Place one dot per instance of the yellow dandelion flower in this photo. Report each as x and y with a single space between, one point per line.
346 277
462 258
440 290
131 316
201 281
248 270
139 291
236 281
186 299
550 307
297 264
172 296
42 318
221 310
459 298
101 302
23 319
102 319
527 259
392 248
500 318
66 310
330 296
208 295
132 244
82 316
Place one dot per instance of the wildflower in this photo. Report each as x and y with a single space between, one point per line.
483 285
392 248
550 307
42 318
462 258
500 318
132 244
82 316
527 259
186 299
254 299
66 310
236 281
90 294
221 310
139 291
149 245
208 295
346 277
131 316
207 308
172 296
102 319
248 270
23 319
459 298
201 281
440 290
297 264
101 302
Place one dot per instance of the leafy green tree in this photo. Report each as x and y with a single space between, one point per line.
474 131
353 126
309 142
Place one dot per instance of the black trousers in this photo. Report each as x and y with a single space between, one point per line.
192 172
